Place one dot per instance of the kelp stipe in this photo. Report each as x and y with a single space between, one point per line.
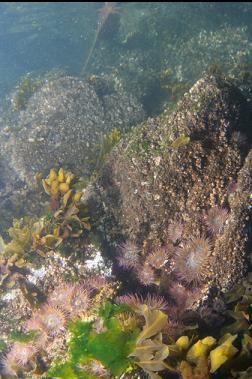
105 12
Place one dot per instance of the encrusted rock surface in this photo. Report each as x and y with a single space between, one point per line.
149 183
63 125
15 202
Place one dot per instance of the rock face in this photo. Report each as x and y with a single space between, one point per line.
175 171
63 125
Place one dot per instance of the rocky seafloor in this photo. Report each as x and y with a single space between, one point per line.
141 271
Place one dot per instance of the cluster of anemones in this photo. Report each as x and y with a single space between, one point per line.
147 266
130 257
153 302
65 303
191 256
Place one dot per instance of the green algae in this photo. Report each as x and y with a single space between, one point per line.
109 140
68 371
23 336
180 142
24 91
110 347
3 346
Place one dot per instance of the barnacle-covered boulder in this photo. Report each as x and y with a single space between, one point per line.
182 181
63 124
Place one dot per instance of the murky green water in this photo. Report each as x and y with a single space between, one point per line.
139 43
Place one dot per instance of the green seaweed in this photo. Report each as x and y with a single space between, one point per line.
110 347
23 337
21 235
110 310
80 335
180 141
67 371
109 140
141 147
3 346
113 347
24 91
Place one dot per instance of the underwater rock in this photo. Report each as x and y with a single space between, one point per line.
173 169
17 200
63 124
5 171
